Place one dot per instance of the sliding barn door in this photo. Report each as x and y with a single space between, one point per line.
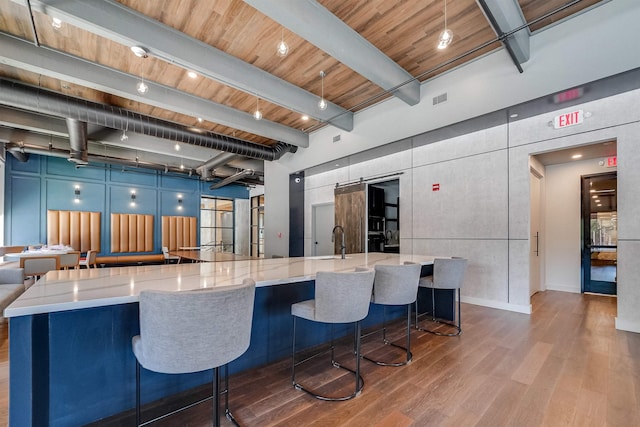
350 213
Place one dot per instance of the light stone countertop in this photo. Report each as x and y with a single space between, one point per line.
75 289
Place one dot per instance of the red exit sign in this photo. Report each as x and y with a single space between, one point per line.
568 119
612 161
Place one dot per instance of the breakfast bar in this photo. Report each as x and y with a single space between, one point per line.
70 357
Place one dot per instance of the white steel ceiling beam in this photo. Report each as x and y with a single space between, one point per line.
314 23
504 17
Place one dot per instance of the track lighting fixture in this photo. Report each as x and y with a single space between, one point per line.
446 36
322 104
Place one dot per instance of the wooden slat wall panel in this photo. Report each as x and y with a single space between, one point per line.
148 232
193 231
74 229
115 234
78 229
131 233
179 231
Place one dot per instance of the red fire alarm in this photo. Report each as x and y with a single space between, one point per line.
435 187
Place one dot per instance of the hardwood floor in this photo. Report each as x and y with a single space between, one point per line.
565 365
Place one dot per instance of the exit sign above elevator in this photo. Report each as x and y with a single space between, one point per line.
568 119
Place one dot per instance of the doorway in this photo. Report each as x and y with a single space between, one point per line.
535 252
599 233
322 220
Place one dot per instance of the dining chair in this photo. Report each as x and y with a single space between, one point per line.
70 260
89 260
168 258
37 266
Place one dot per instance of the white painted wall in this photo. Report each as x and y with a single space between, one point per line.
276 209
562 217
588 47
482 210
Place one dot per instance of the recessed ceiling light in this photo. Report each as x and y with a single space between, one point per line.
192 74
200 120
56 23
514 115
599 204
597 201
305 117
177 147
576 156
594 197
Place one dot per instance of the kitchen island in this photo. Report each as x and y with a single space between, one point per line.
70 334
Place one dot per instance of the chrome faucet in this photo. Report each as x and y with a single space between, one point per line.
343 246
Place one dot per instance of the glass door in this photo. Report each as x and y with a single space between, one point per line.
600 233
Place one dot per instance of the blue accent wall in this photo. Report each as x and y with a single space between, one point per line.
44 183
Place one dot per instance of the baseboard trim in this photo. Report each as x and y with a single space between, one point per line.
563 289
526 309
625 325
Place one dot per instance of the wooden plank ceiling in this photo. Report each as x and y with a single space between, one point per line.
404 30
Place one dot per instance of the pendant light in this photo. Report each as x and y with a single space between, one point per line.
283 48
257 114
446 36
124 135
322 104
141 52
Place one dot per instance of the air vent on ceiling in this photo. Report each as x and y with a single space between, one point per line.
336 138
440 99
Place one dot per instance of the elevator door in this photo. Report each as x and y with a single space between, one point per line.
599 233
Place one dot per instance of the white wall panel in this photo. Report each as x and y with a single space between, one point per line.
487 276
628 290
519 272
603 113
478 142
381 166
629 182
472 200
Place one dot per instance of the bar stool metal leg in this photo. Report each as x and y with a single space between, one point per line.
359 381
409 355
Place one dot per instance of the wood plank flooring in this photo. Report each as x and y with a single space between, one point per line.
565 365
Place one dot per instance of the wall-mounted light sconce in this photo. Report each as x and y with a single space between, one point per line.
179 202
77 194
133 197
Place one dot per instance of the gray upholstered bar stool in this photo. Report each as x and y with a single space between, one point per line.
447 274
192 331
395 285
339 298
